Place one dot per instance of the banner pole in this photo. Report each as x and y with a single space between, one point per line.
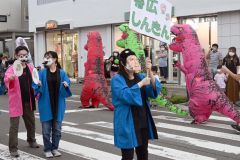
149 54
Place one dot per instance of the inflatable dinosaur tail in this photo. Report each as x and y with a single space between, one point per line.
163 102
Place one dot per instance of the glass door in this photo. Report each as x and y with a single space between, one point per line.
65 43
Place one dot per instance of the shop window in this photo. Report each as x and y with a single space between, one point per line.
65 43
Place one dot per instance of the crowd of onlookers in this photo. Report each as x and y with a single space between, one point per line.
215 62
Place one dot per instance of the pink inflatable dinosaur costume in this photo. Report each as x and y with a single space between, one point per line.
95 87
205 95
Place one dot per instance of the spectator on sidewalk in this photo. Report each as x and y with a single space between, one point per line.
154 70
163 62
3 68
231 61
215 59
220 79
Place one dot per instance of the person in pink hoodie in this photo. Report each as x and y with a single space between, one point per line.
21 101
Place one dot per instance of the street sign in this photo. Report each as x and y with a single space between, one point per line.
151 18
51 24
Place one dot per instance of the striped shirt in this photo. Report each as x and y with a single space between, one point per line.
215 57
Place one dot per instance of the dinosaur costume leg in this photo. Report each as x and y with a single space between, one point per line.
197 113
86 96
107 103
95 102
229 110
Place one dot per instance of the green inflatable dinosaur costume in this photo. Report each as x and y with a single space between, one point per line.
131 40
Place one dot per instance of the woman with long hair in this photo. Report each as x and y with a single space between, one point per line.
53 88
231 61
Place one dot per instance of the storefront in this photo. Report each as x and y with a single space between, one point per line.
61 39
220 25
65 43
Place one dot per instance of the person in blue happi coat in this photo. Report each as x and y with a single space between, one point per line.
52 90
133 122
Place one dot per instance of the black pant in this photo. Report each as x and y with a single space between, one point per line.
164 72
141 151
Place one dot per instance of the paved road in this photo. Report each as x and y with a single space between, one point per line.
88 134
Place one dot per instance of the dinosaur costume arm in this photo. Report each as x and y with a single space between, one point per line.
181 67
121 43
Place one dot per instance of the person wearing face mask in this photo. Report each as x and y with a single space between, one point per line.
21 102
133 122
231 61
163 62
53 89
215 59
21 42
3 68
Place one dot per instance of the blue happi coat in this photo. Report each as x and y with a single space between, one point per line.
123 99
44 103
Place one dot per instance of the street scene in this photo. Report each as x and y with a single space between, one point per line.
119 80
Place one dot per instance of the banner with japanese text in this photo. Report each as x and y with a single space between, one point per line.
151 18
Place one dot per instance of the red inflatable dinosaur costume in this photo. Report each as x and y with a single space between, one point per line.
95 86
205 95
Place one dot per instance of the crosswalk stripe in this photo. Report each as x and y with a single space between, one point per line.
63 122
199 131
185 140
153 149
4 154
71 100
77 150
212 117
188 121
181 128
37 116
85 110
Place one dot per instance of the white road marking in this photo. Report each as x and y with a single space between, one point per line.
212 117
153 149
188 121
184 139
77 150
5 155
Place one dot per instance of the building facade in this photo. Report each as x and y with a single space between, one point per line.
62 26
14 23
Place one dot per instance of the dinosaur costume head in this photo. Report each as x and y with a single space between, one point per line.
131 40
94 40
185 36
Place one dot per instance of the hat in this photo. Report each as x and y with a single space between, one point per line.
124 54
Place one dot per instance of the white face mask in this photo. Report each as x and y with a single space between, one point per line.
115 54
23 59
48 62
231 53
162 49
129 68
218 70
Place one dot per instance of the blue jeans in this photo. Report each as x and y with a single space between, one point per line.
48 131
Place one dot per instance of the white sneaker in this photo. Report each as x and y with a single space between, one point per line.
56 153
48 154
